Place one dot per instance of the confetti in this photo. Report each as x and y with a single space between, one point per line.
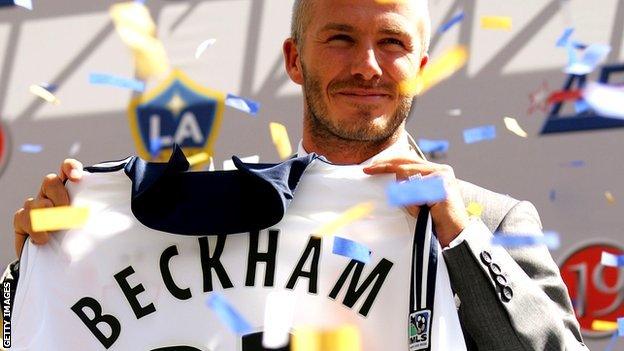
279 135
58 218
581 106
228 165
496 22
477 134
610 260
604 325
351 249
245 105
550 239
474 209
574 164
44 94
350 215
27 4
553 195
450 62
198 158
203 46
228 314
607 101
31 148
48 86
512 125
344 338
564 95
610 198
454 112
429 146
279 314
416 192
116 81
74 149
453 21
563 40
592 56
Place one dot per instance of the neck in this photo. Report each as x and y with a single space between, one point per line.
342 151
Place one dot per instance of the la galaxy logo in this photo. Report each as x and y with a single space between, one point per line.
179 111
419 328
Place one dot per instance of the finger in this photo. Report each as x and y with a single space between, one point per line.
403 170
53 188
22 224
71 169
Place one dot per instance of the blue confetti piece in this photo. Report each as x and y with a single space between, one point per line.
550 239
49 87
553 195
351 249
154 147
475 135
593 55
116 81
416 192
610 260
565 37
453 21
620 322
245 105
31 148
428 146
578 45
228 314
581 106
574 164
612 342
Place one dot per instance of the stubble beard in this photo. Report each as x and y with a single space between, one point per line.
327 129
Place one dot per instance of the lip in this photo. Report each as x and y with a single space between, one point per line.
365 95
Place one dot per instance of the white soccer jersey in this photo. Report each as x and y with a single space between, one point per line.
118 284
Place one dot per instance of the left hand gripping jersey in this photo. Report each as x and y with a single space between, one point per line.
159 240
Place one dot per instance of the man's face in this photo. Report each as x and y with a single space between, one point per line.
353 56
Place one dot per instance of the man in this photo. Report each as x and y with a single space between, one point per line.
350 57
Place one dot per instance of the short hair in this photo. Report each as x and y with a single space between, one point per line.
301 19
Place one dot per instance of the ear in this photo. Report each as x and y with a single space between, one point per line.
292 62
423 61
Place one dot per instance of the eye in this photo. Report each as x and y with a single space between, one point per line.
393 41
341 37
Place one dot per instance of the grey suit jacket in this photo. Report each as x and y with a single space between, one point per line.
509 299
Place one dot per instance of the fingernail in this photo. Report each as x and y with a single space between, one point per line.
74 173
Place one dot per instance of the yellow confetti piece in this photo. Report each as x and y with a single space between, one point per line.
279 135
44 94
352 214
196 159
344 338
496 22
133 15
610 198
450 62
474 209
512 125
389 2
604 325
58 218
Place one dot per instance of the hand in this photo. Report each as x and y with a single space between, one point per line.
449 216
52 193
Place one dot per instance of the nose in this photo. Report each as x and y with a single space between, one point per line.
365 64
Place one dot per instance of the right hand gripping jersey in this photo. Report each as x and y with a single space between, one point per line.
159 240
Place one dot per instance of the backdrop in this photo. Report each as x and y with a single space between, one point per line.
509 73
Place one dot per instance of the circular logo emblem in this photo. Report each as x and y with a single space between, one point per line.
597 291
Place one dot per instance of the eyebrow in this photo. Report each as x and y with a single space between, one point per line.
341 27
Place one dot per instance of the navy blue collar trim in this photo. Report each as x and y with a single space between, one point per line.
167 197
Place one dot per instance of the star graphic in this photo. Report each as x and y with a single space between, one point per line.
176 104
539 99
